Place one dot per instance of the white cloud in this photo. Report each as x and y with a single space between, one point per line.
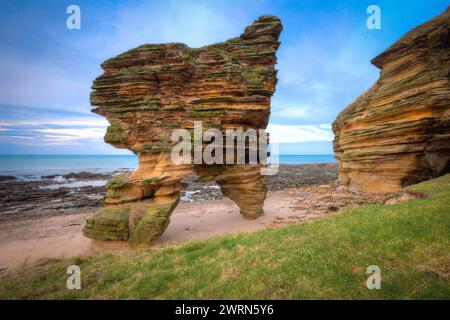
55 131
79 122
290 111
22 137
301 133
61 135
325 126
57 143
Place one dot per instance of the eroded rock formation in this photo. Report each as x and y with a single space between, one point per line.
147 92
398 132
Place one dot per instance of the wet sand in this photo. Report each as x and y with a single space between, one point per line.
200 220
26 242
29 241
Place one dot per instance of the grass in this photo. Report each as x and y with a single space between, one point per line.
324 259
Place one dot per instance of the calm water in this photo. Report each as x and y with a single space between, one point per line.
307 159
35 166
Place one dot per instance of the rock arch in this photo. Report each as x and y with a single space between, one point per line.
149 91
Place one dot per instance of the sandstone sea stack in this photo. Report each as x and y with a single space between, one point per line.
149 91
398 132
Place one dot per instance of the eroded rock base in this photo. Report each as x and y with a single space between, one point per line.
139 206
141 222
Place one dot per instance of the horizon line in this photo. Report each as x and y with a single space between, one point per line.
109 154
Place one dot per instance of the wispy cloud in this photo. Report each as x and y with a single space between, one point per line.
52 131
49 143
291 110
301 133
70 134
79 122
22 137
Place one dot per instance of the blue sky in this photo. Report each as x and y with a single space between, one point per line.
46 70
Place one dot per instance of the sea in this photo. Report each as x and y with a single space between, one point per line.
35 166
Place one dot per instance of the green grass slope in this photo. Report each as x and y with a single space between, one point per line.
324 259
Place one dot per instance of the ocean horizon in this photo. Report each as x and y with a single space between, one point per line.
36 166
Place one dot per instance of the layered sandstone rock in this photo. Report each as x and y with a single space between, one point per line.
147 92
398 132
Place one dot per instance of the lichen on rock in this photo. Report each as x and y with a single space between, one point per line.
147 92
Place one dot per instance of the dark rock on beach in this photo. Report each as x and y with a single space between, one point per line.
80 176
295 176
66 194
19 198
7 178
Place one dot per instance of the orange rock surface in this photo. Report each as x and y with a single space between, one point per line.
149 91
398 132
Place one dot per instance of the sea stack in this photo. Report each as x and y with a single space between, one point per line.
398 132
148 92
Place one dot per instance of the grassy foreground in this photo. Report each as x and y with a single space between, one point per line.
324 259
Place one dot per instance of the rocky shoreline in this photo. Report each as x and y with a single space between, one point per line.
65 194
43 219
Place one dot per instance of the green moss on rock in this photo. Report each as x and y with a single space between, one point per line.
117 182
115 133
136 70
254 77
152 223
109 223
212 100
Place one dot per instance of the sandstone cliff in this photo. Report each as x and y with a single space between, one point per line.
149 91
398 132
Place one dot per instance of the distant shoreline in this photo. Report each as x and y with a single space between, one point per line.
33 167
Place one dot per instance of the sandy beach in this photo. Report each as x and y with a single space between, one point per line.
51 226
26 242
